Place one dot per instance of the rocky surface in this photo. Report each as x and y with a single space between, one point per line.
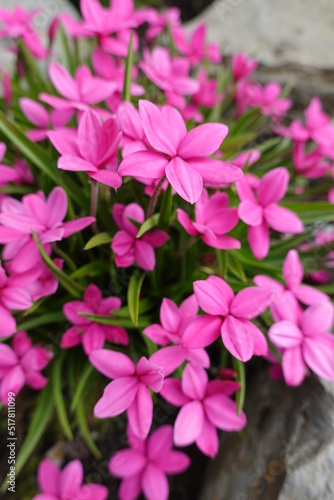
287 451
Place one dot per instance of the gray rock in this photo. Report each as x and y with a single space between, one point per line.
287 450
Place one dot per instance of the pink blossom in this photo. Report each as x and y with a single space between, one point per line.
170 74
80 92
158 21
213 219
22 365
13 297
229 316
44 283
145 465
56 484
259 210
207 96
311 164
35 213
127 247
307 344
42 119
242 66
92 335
268 99
178 154
105 66
248 158
18 24
128 390
133 136
194 47
285 298
174 321
93 149
7 174
205 407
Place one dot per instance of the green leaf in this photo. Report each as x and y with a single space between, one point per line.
81 385
149 224
91 270
314 211
69 59
33 72
67 282
30 150
83 425
113 321
42 415
128 72
236 268
57 376
97 240
45 319
135 285
239 367
166 208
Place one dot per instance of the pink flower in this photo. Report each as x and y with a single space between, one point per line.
92 335
158 21
36 214
127 247
133 136
105 66
13 297
259 210
174 321
205 407
144 466
19 24
42 119
285 298
178 154
170 74
229 316
242 66
92 150
7 174
129 389
248 158
207 96
194 47
44 284
307 344
213 220
268 99
312 164
78 93
22 365
56 484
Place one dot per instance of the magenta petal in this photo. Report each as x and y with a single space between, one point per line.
13 381
160 442
71 479
140 413
208 441
63 81
213 295
56 206
157 334
237 338
222 413
202 332
169 315
198 357
117 397
35 112
250 213
173 462
292 269
144 255
186 222
146 164
188 424
273 186
216 173
8 358
260 341
93 338
194 381
285 334
318 318
186 181
126 463
172 392
251 302
258 238
112 364
107 177
48 477
76 164
203 140
319 358
154 483
74 226
283 220
293 366
8 323
309 295
169 358
130 487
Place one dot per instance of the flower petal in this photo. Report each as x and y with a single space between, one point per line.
186 181
188 424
